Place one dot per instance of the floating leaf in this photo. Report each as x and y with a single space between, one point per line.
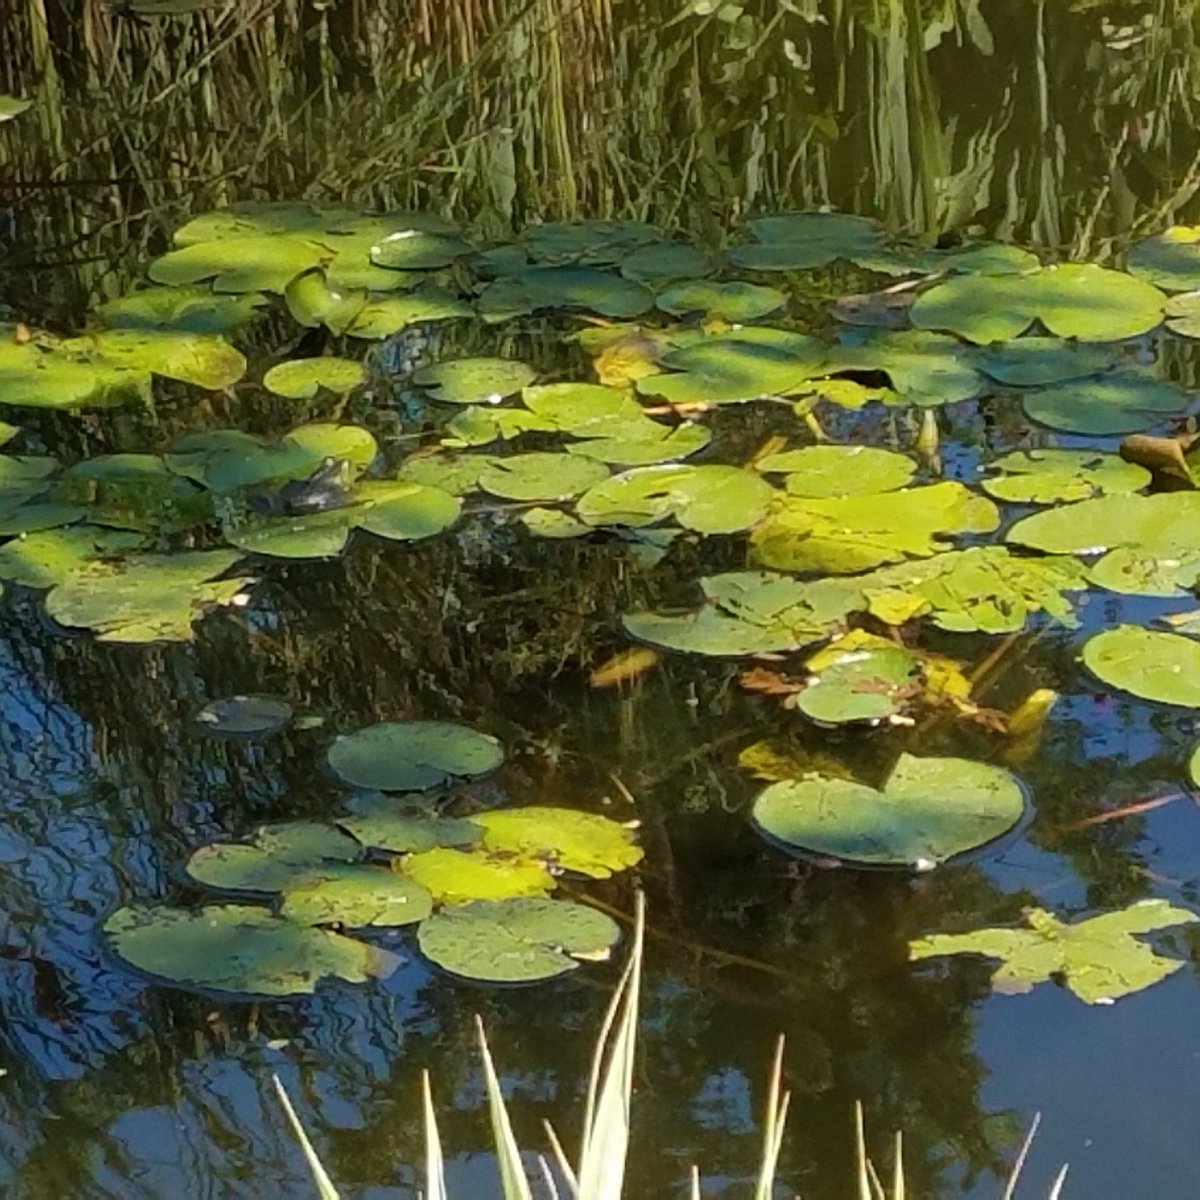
246 263
391 823
799 241
182 309
854 533
1183 315
1122 402
382 316
455 876
133 491
1036 361
542 476
312 302
734 302
563 288
564 838
1076 300
1098 959
155 597
930 809
474 380
553 523
710 499
245 716
1051 476
241 949
1164 667
44 559
272 858
355 896
516 941
923 369
642 443
409 756
418 250
859 684
303 378
455 474
829 471
1170 259
659 262
596 242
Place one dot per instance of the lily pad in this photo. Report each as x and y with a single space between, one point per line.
564 838
1072 300
802 240
1170 259
418 250
455 474
382 316
854 533
642 443
859 685
411 756
596 242
733 301
151 598
312 302
272 858
930 809
240 949
245 716
182 309
517 941
829 471
1122 402
355 896
662 262
303 378
454 876
1164 667
542 476
474 380
241 263
46 558
133 491
391 823
923 369
1037 361
1183 315
708 499
1098 959
588 288
1053 476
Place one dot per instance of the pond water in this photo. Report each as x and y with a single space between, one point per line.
1067 128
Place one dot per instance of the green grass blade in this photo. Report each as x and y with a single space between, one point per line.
435 1167
325 1188
773 1125
512 1171
606 1135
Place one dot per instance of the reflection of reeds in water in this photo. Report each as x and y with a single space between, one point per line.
502 111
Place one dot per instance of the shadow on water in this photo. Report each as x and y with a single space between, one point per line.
1068 127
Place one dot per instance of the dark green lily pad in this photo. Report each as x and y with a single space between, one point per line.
599 242
272 858
709 499
564 838
396 824
588 288
1097 959
245 716
1036 361
1072 300
802 240
474 380
182 309
517 941
355 896
1164 667
240 949
1054 476
1170 259
454 876
930 809
411 756
1122 402
663 262
303 378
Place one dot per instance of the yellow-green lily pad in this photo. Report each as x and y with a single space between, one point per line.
565 838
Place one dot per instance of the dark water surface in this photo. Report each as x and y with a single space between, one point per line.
1070 127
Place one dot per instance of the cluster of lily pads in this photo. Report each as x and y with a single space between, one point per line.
478 889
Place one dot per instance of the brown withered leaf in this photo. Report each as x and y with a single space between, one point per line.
769 683
1161 455
621 668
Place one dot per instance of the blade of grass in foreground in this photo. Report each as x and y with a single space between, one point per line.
325 1188
773 1126
508 1156
435 1170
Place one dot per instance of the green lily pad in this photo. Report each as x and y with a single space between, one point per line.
411 756
923 369
516 941
854 533
1123 402
1164 667
356 896
456 474
313 535
239 263
1098 959
732 370
1053 476
802 240
553 523
642 442
46 558
397 825
312 302
734 301
565 838
930 809
245 716
382 316
1075 300
859 685
303 378
474 380
662 262
274 856
830 471
418 250
586 288
541 476
1036 361
708 499
1170 259
150 598
583 409
403 511
598 242
240 949
44 375
1183 315
205 360
133 491
454 876
194 310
